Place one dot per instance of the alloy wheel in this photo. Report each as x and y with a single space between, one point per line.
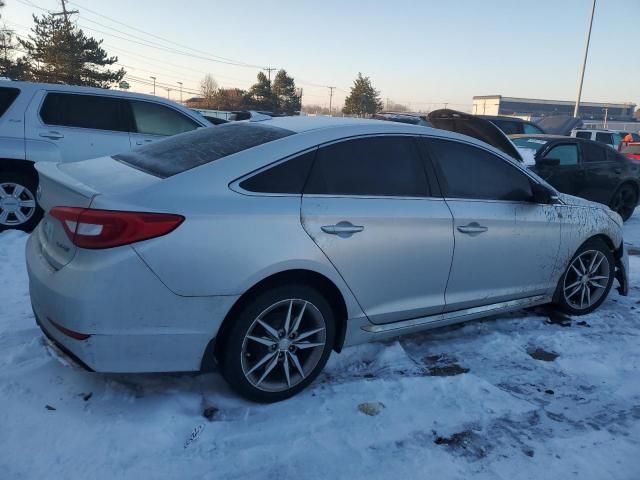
586 279
17 204
283 345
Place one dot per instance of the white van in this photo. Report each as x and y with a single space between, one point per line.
61 123
608 137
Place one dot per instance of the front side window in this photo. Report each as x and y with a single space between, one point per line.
154 119
7 96
84 111
567 154
586 135
473 173
604 137
372 166
592 153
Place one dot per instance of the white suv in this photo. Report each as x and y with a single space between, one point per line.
608 137
62 123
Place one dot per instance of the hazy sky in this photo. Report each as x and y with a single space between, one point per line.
422 52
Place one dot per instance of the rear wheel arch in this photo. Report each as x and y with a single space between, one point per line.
14 165
307 277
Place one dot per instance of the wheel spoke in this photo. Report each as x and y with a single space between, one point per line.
599 277
597 285
287 321
578 272
264 341
20 216
27 203
588 292
584 269
17 191
272 364
304 345
568 287
285 365
597 265
296 362
262 361
4 214
582 296
576 290
296 323
270 330
308 334
3 192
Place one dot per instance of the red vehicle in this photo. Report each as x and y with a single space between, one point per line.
631 150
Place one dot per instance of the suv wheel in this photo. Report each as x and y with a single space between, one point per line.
18 207
587 280
278 343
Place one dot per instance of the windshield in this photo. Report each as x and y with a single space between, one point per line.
528 148
189 150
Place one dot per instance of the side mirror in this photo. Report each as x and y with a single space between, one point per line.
542 194
547 162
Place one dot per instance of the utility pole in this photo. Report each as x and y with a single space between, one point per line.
180 83
606 113
168 93
269 70
154 84
65 13
584 62
330 98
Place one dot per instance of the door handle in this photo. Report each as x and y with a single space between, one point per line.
52 135
342 229
617 170
473 229
142 142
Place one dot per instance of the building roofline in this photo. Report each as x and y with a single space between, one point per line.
558 102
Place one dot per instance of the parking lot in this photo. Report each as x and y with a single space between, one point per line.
533 391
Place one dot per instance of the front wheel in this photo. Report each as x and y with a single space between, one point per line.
278 343
588 278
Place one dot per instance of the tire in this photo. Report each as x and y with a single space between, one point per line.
19 209
624 201
273 363
569 296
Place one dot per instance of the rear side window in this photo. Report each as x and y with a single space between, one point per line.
586 135
154 119
604 137
84 111
372 166
593 153
198 147
508 127
7 96
286 177
473 173
567 154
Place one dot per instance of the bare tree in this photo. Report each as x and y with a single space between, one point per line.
208 87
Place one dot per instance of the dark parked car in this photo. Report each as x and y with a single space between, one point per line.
513 125
584 168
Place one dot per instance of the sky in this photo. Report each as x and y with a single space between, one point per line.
421 53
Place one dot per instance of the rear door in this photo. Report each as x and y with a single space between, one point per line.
154 121
505 244
369 207
67 127
569 176
603 172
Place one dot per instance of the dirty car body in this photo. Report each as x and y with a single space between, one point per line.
242 208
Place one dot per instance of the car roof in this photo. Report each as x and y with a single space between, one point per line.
305 123
503 117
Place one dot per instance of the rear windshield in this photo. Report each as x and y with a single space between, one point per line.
531 143
192 149
7 96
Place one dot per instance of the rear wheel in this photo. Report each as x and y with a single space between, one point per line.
587 280
624 201
278 343
18 207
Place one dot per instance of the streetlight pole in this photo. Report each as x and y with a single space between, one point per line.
584 62
154 84
168 93
180 83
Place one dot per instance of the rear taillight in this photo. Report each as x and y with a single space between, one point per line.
89 228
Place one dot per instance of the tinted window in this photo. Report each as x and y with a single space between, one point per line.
84 111
7 96
604 137
567 154
592 152
471 172
586 135
155 119
286 177
374 166
189 150
508 127
531 128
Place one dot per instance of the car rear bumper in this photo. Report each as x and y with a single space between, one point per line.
112 313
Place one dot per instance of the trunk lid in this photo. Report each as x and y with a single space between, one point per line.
474 126
76 185
559 124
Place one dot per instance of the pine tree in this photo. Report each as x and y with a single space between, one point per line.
260 93
363 99
59 52
284 93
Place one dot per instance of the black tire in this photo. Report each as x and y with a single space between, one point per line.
233 351
624 201
30 183
570 276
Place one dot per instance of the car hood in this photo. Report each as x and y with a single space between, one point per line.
559 124
473 126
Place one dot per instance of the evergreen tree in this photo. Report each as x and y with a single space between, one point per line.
363 99
260 93
59 52
284 92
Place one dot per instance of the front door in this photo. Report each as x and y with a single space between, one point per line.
569 176
505 244
367 206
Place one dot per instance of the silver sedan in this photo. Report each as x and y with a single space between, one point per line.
262 246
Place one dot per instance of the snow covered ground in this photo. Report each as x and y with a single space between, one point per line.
488 400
